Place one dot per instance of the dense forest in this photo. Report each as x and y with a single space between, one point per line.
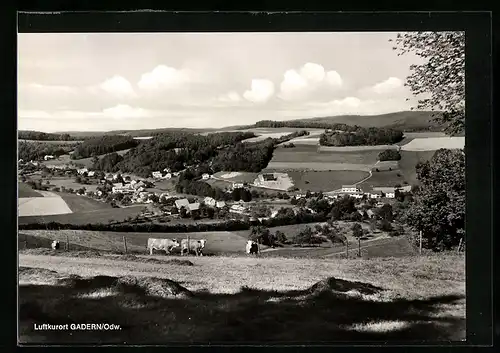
28 151
363 136
43 136
103 144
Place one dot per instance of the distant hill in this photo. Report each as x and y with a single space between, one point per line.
406 120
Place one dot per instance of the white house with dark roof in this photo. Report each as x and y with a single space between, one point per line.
209 201
181 203
350 189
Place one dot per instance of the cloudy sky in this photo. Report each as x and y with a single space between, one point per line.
107 81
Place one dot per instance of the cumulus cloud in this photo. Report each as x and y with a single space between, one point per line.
118 87
261 91
388 86
123 111
230 97
351 105
310 77
165 77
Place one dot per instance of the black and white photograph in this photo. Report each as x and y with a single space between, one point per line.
241 187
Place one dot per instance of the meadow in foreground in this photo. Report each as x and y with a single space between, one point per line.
244 300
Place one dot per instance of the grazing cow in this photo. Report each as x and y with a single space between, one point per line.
252 247
162 244
196 245
55 245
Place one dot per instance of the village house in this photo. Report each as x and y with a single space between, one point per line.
122 188
181 203
369 213
209 201
82 170
266 177
350 189
91 173
48 157
220 204
237 209
167 176
376 195
238 185
167 170
157 175
205 176
193 206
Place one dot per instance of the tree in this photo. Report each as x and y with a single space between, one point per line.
385 212
438 205
357 232
183 212
280 237
441 76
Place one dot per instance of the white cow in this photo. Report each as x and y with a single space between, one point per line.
162 244
55 245
196 245
252 247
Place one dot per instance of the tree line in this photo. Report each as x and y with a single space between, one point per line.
28 151
44 136
362 136
103 144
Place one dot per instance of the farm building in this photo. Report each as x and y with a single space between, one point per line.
350 188
266 177
122 188
205 176
238 185
220 204
209 201
156 175
182 203
237 209
357 195
91 173
82 170
48 157
193 206
376 195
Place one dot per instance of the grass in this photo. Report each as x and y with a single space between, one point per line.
82 203
434 143
242 177
103 215
244 300
325 181
311 154
217 242
24 190
383 178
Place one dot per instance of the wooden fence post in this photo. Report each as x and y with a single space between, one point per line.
459 245
420 246
359 246
125 243
67 243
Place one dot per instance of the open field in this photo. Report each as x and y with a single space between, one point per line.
95 216
358 148
424 134
314 166
48 204
24 190
239 177
434 143
79 203
244 299
326 181
217 242
383 178
70 183
311 154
